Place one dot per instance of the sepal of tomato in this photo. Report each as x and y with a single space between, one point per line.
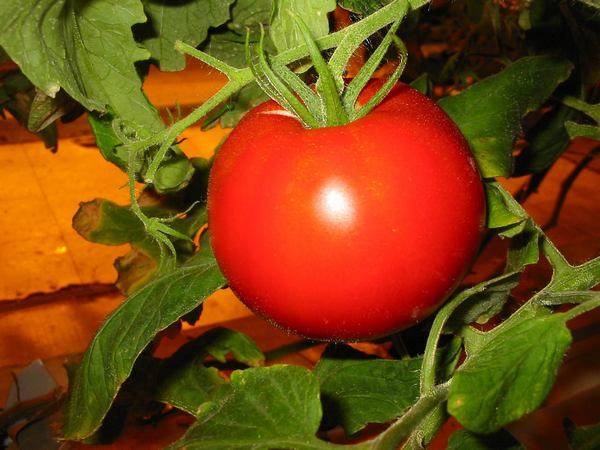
346 232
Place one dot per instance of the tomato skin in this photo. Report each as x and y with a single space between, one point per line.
349 232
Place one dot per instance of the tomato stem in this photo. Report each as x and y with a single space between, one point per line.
335 114
387 86
334 103
582 308
273 86
399 430
429 365
358 83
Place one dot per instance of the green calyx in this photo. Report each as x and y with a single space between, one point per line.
331 103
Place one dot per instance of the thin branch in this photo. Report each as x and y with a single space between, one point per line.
400 429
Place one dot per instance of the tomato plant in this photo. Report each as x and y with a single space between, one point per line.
319 229
344 205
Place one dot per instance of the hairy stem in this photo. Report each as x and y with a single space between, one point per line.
402 428
426 429
582 308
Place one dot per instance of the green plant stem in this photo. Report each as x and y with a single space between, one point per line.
355 87
395 11
335 113
273 86
592 110
566 277
241 79
207 59
428 368
154 227
426 429
582 308
429 365
563 297
387 86
400 429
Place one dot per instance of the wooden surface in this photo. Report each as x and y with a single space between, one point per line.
56 288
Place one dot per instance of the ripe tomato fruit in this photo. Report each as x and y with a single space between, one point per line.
346 232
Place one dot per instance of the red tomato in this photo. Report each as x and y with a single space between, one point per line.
346 232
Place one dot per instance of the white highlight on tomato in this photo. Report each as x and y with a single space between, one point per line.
336 204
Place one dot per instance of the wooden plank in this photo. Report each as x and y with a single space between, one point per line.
66 324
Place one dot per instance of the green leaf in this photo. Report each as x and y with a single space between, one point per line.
3 56
136 268
104 222
363 7
173 174
509 374
88 50
249 14
502 210
187 21
590 109
547 141
107 141
284 31
109 360
464 440
17 95
485 304
186 383
524 247
188 387
421 84
506 215
246 16
218 343
229 46
489 112
45 110
579 130
247 98
272 407
595 4
583 438
357 389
